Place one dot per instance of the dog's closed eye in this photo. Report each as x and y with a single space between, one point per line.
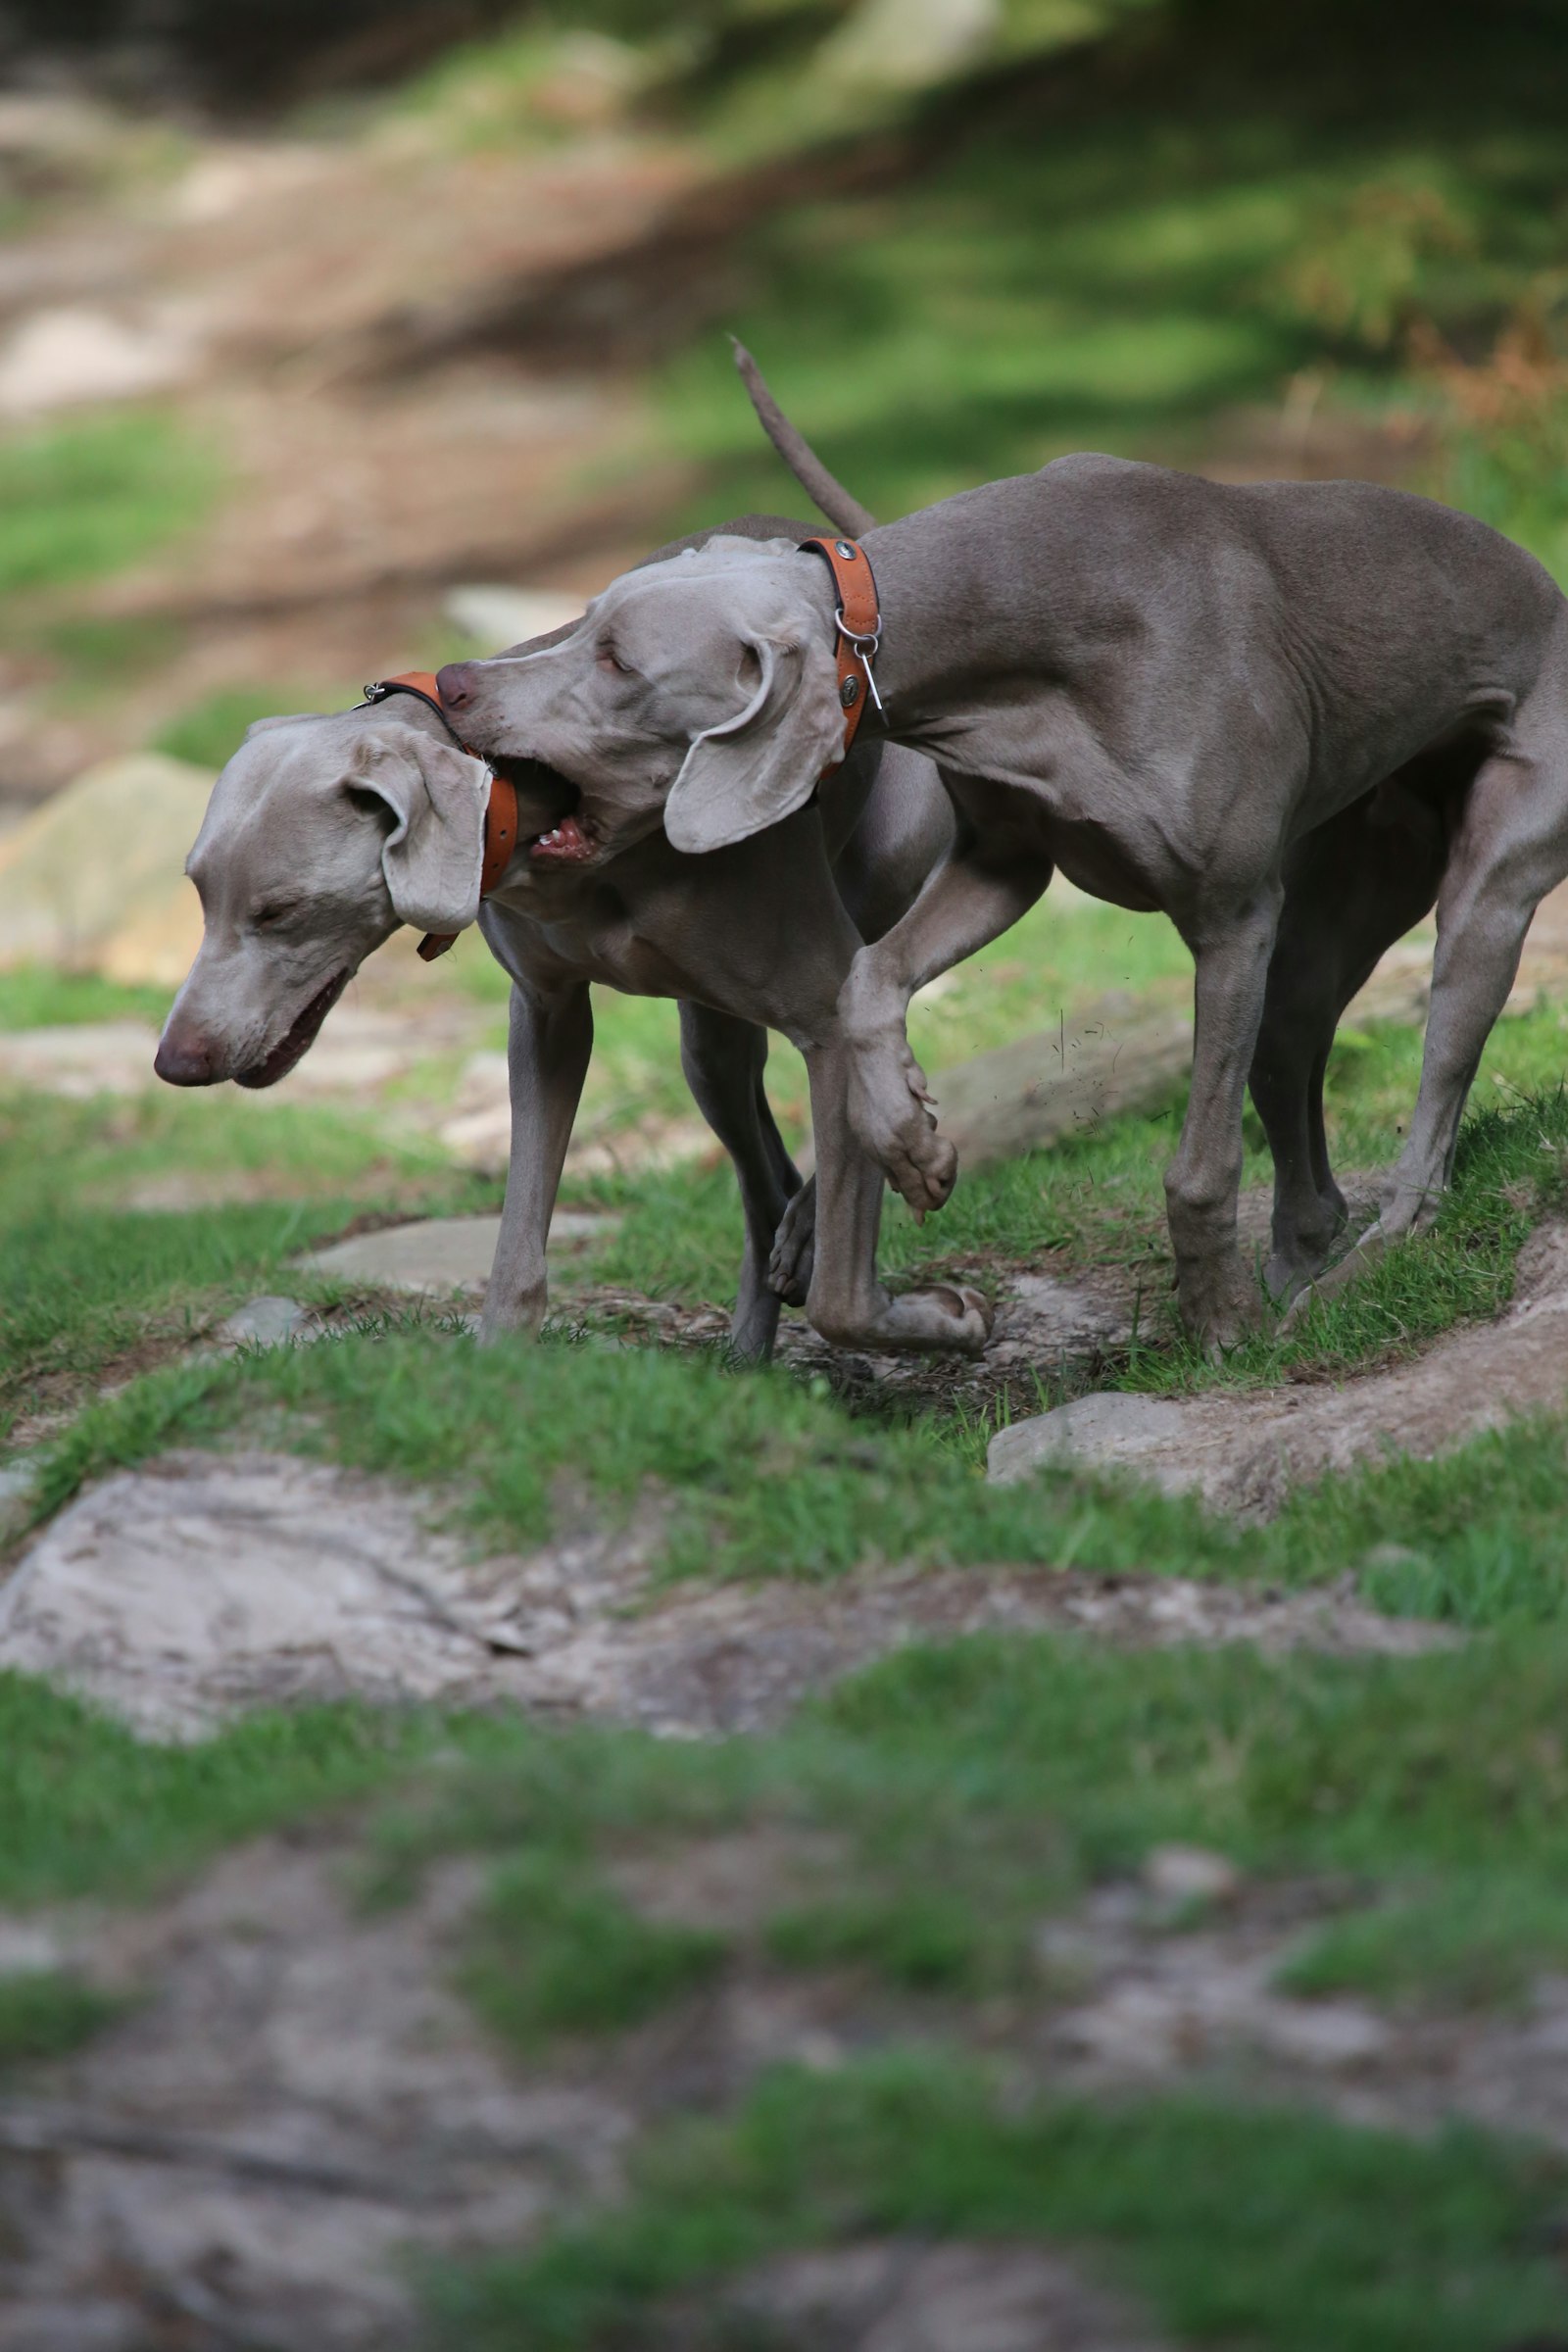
271 917
608 659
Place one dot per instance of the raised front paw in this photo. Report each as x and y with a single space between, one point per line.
789 1268
892 1116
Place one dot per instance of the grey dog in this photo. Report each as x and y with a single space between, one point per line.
1287 713
325 833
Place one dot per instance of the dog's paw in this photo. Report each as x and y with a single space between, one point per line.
948 1319
891 1115
1357 1262
1221 1306
789 1268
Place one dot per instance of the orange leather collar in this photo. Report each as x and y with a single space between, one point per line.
501 809
859 631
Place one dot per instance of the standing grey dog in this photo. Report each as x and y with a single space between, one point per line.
1281 712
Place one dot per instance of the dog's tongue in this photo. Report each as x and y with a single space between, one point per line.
567 844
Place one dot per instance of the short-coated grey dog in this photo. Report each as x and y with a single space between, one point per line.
1289 714
323 834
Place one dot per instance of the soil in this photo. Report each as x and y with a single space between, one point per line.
298 2099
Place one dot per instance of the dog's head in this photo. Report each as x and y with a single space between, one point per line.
322 835
699 692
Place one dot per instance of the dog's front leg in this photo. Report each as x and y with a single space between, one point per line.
1218 1298
847 1302
969 902
551 1037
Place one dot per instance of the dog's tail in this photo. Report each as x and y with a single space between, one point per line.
844 512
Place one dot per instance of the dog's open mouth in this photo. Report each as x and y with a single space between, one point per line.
570 843
556 830
300 1038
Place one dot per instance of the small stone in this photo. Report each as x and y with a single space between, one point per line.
1190 1874
493 616
1116 1427
437 1257
266 1322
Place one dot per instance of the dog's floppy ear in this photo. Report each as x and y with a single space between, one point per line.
433 858
763 765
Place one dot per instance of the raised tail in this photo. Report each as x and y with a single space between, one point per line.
844 512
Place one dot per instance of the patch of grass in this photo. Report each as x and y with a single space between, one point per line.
211 731
553 1952
99 654
922 1941
1286 2233
1459 1943
759 1477
82 501
979 1787
973 1789
48 2013
89 1808
35 996
84 1282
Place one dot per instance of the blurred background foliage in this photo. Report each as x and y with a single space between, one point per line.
963 237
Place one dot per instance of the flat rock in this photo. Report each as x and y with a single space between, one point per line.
96 878
1244 1450
80 1059
1117 1427
58 357
266 1322
437 1258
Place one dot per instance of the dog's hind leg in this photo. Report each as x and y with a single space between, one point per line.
1351 888
724 1059
1512 848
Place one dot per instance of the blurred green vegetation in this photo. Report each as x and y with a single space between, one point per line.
1192 232
1284 2232
84 500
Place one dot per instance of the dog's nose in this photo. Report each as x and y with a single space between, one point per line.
184 1060
454 684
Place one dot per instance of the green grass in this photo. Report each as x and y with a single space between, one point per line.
89 1808
47 2014
970 1791
1259 2228
85 1281
209 732
553 1953
82 501
35 996
967 1792
1083 264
